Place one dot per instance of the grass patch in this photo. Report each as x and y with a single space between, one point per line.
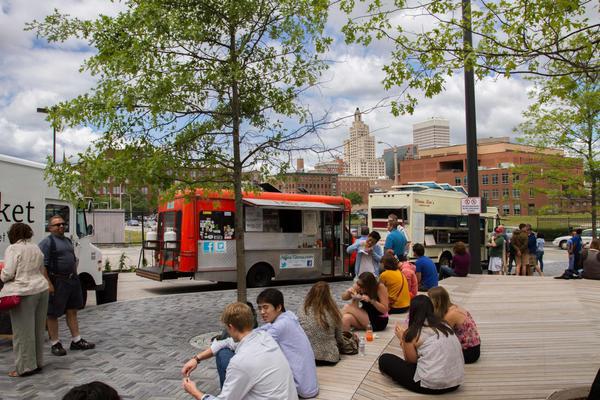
133 237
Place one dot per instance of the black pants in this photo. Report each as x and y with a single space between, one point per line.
403 373
471 354
398 310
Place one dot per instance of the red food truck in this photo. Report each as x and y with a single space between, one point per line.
286 236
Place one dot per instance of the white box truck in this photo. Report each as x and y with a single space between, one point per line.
26 197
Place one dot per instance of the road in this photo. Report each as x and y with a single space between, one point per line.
132 286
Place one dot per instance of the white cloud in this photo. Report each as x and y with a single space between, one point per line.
35 75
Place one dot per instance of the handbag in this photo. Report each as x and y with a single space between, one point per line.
349 344
8 302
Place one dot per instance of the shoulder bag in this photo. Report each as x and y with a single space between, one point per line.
8 302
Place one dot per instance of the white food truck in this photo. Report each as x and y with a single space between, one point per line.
26 197
432 217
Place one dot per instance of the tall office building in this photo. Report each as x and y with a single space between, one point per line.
432 133
359 151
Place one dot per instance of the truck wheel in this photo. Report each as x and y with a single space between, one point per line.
259 275
563 244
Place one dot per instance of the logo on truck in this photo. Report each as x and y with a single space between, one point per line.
16 212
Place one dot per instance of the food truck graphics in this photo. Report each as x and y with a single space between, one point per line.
286 236
26 197
431 217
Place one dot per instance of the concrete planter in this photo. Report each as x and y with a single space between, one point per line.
575 393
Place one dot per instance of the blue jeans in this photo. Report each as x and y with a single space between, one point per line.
540 257
446 271
222 358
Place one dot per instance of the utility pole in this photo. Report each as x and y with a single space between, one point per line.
44 110
471 125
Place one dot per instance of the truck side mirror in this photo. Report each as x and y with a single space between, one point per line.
90 230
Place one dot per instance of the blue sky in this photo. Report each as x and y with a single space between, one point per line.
33 75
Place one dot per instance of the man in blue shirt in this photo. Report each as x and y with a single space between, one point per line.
395 241
427 275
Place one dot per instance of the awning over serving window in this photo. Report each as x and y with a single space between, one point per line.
297 205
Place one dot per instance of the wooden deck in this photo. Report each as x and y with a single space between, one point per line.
538 335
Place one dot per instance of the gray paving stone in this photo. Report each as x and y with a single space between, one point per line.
141 346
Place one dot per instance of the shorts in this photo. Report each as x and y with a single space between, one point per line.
67 296
495 264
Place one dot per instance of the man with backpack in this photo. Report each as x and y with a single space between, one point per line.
66 295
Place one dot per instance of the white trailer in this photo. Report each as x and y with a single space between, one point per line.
432 217
26 197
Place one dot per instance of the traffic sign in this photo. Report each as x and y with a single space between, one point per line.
470 205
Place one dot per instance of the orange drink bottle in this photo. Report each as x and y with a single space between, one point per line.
369 333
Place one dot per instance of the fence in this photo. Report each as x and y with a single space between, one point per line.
560 225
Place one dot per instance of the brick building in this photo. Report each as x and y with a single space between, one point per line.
309 183
498 183
358 184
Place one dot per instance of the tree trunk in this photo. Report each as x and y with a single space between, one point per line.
237 175
593 173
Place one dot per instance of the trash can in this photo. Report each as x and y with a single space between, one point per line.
109 294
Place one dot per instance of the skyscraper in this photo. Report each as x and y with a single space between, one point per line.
432 133
359 150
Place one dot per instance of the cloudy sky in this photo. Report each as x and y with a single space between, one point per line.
34 74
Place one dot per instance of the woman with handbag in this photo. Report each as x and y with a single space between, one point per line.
24 276
321 320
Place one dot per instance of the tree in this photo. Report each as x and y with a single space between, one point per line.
192 93
565 115
510 37
354 197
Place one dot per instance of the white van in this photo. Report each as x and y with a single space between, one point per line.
26 197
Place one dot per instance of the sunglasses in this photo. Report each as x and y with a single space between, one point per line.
60 224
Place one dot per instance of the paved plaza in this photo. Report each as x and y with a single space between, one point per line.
141 346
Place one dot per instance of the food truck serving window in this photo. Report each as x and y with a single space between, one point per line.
273 220
382 213
216 225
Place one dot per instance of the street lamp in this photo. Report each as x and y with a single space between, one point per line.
395 152
130 209
44 110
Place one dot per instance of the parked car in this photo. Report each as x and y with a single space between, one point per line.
561 241
133 222
509 231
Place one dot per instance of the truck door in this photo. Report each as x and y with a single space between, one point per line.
331 232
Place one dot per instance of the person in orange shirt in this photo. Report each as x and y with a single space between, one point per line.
408 269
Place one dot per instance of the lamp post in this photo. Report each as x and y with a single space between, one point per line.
130 209
44 110
395 152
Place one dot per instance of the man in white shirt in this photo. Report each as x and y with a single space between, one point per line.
258 370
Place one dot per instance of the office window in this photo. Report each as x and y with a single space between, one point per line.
495 179
531 193
505 193
457 181
484 180
486 194
465 181
515 178
517 209
495 194
505 209
516 194
505 177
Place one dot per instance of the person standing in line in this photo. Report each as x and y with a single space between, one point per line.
258 370
368 254
496 246
61 265
24 275
404 231
574 250
395 242
539 252
519 241
531 251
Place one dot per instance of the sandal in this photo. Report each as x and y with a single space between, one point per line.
15 374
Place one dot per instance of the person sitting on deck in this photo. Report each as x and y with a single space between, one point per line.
321 319
460 320
258 370
396 285
284 327
433 361
427 274
461 261
374 302
591 261
408 269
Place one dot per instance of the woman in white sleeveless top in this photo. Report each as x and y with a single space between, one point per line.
433 360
